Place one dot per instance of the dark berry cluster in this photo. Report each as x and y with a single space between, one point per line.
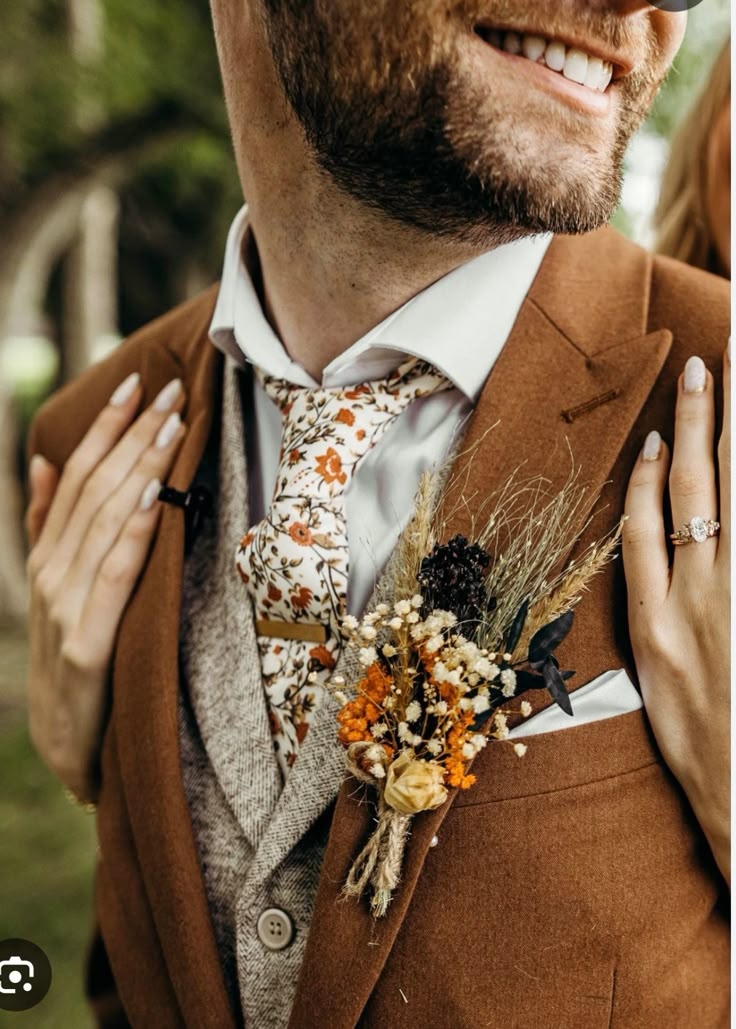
452 578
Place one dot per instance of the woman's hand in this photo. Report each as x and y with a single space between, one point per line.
679 616
90 532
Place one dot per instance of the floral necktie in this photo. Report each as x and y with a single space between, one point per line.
294 562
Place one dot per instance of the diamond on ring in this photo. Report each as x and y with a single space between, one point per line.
697 530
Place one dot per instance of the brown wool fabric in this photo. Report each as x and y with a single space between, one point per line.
570 888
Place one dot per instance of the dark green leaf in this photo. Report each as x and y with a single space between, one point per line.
556 686
550 636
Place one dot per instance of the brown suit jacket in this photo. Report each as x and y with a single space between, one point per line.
571 888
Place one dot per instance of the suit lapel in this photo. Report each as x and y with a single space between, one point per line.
543 377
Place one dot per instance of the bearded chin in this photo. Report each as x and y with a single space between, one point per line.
424 157
456 181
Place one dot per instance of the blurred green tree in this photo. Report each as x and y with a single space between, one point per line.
74 113
106 106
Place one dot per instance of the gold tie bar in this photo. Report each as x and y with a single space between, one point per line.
309 632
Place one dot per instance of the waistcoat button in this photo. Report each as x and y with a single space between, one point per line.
275 929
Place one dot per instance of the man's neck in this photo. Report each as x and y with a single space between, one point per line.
329 270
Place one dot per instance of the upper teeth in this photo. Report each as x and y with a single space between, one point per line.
573 63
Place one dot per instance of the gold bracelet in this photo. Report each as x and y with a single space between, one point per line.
88 805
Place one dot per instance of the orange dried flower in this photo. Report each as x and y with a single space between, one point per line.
358 715
376 683
455 764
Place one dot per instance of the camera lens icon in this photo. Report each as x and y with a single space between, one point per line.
14 971
25 975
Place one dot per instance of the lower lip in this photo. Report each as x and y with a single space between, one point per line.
588 101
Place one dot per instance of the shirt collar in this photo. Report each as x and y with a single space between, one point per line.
459 324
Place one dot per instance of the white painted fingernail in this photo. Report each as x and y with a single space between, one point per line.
150 494
652 446
35 468
694 375
167 397
125 390
168 430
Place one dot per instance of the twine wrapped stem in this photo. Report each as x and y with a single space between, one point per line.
379 863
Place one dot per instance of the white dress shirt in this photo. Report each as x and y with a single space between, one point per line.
459 324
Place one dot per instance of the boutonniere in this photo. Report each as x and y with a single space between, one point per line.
475 625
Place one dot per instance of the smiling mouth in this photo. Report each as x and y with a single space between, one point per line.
570 62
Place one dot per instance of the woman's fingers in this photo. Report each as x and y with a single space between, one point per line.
92 640
724 463
102 435
110 519
644 545
693 475
44 480
111 471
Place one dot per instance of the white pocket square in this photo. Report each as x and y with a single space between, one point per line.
610 694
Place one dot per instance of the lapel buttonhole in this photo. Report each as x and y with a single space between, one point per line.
572 413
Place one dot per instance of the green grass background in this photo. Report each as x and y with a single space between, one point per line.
47 857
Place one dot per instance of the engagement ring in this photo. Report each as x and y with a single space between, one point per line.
697 530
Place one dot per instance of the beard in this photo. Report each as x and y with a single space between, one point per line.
396 113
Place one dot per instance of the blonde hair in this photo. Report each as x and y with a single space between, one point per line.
680 219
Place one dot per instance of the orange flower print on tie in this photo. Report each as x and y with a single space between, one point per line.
301 534
322 656
302 598
329 466
357 392
346 416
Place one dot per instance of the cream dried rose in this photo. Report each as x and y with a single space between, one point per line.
413 786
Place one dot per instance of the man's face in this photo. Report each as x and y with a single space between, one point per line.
458 117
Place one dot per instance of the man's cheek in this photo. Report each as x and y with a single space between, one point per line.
670 29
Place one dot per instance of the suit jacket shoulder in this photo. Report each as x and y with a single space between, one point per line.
694 304
601 289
